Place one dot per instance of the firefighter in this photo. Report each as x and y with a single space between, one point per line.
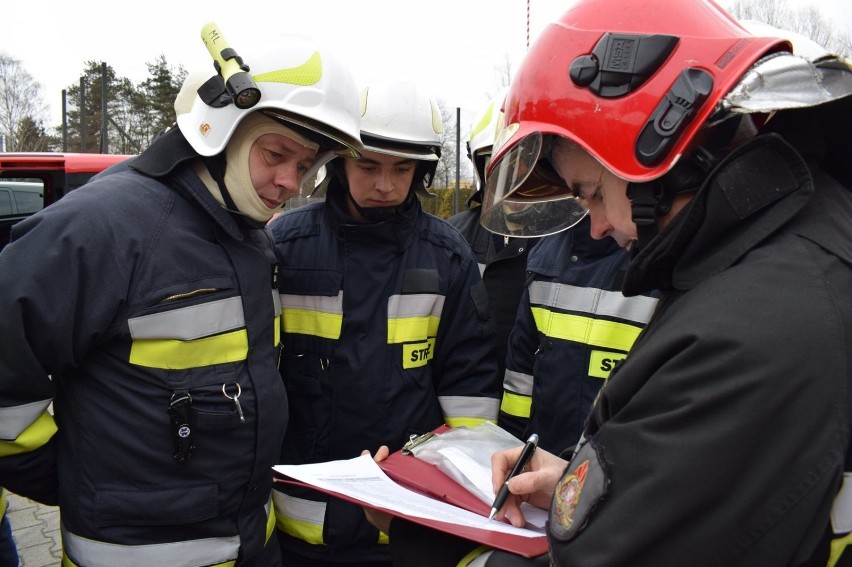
572 327
144 307
720 159
386 323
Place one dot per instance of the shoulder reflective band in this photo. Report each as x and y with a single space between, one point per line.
190 337
314 315
219 551
414 317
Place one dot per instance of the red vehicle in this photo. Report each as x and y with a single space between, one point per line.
31 181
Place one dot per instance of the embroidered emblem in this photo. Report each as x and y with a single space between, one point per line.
568 494
583 486
204 129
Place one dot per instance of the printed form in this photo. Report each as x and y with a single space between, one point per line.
362 479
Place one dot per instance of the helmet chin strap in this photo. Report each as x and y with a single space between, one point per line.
653 199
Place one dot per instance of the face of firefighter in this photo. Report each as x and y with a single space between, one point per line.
603 194
378 180
276 165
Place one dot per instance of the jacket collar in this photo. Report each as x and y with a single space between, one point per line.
398 230
753 192
170 156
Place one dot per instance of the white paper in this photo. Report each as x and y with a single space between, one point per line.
362 479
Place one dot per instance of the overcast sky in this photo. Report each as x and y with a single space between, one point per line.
452 46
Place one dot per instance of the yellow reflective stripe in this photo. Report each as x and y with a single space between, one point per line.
414 317
586 330
276 332
516 404
314 323
463 421
172 354
306 74
31 438
838 546
278 322
2 502
412 329
467 559
299 517
315 315
270 520
300 529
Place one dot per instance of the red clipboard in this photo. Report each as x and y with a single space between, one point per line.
428 480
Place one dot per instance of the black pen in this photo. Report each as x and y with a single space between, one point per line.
522 461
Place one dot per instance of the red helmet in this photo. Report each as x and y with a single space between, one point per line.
630 81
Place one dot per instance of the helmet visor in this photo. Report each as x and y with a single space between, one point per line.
524 196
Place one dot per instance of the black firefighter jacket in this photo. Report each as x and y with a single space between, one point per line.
385 336
722 438
127 296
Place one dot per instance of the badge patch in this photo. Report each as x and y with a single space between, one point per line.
581 488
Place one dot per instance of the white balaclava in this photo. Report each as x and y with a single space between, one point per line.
237 174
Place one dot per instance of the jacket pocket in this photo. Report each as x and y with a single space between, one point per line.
175 506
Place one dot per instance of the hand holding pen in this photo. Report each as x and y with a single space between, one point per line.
534 485
523 460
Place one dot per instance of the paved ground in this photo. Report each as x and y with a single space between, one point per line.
35 528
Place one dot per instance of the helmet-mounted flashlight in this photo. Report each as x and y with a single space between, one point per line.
230 66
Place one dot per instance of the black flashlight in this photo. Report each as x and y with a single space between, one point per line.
230 66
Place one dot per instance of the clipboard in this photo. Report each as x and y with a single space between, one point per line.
428 480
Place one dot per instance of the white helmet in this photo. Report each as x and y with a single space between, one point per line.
400 119
485 128
300 84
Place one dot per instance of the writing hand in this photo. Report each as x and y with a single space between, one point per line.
535 485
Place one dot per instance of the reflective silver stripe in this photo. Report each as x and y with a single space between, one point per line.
470 406
16 419
193 322
322 303
415 305
300 509
592 300
276 302
518 382
192 553
841 511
